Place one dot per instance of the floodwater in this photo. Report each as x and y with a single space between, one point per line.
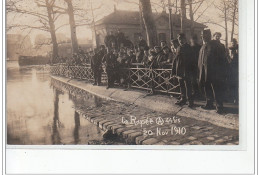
39 114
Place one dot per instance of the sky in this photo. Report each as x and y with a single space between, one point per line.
103 8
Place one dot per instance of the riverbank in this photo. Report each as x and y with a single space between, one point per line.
161 103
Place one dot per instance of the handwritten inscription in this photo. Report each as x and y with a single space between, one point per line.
161 132
165 126
149 121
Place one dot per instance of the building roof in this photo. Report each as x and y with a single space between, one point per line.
133 18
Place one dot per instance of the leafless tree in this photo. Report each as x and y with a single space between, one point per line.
224 7
149 23
194 6
233 16
44 13
73 31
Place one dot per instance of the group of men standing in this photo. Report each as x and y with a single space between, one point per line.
117 41
212 69
206 67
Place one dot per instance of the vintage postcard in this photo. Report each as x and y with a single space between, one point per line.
122 72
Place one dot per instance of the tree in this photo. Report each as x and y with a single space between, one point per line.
43 13
193 11
73 31
227 12
183 13
49 5
149 23
233 16
224 9
183 9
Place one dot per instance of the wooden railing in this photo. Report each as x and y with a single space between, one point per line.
136 76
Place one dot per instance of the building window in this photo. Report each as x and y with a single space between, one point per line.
162 36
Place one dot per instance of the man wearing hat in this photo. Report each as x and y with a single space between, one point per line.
142 42
195 48
233 71
211 65
182 70
157 49
163 43
110 40
110 62
164 57
216 37
96 64
120 38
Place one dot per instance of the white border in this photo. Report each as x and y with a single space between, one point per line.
158 161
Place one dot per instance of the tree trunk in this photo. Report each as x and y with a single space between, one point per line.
73 32
226 25
233 18
142 28
149 23
55 49
176 7
191 18
183 13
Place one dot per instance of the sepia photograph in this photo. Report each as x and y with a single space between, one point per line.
122 72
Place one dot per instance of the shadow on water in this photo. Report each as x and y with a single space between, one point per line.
56 122
42 112
76 129
84 100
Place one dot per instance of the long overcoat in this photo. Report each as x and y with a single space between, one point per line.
183 60
213 60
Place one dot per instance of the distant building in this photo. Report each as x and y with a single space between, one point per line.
18 45
42 45
65 49
129 23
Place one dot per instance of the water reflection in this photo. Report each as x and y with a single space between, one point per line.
56 122
38 114
76 129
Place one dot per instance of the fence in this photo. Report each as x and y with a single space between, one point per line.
136 76
77 72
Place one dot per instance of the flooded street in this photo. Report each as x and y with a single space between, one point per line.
38 114
42 111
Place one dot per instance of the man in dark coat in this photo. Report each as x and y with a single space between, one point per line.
120 38
109 60
110 40
163 43
96 66
128 43
182 70
233 72
140 54
195 48
106 40
130 58
165 57
212 66
142 43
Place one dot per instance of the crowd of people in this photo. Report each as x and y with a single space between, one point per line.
209 69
